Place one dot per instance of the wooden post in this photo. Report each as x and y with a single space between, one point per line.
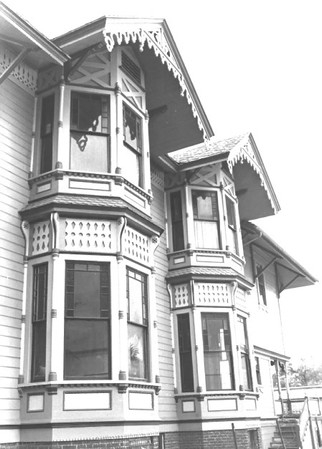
234 434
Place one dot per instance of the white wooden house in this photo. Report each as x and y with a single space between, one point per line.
138 301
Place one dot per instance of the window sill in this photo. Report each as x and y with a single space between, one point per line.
121 386
200 396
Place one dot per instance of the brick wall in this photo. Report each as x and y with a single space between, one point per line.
219 439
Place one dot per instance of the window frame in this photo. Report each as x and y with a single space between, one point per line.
246 371
105 313
46 133
136 150
229 351
38 322
141 326
261 285
176 214
105 100
184 350
231 215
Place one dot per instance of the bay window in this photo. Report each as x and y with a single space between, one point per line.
39 316
137 324
206 219
217 351
89 132
46 133
244 353
131 153
87 321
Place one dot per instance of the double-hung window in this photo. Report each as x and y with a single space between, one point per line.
185 353
46 133
87 321
261 285
206 219
89 132
231 223
131 154
217 351
137 324
39 314
244 354
176 221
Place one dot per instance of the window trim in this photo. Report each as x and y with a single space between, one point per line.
245 353
44 133
217 219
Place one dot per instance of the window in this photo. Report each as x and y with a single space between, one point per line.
258 371
232 228
186 370
131 155
244 353
137 327
46 133
206 219
89 132
217 351
39 314
176 221
261 285
87 321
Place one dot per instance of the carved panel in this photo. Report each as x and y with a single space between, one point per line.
91 235
181 297
229 185
157 177
205 176
133 93
24 75
212 294
49 77
136 245
40 238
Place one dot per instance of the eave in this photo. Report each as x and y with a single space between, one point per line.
20 35
289 273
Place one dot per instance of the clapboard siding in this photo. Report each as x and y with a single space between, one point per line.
167 405
15 141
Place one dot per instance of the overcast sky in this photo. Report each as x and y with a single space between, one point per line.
256 66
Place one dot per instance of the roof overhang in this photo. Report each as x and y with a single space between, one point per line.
255 192
290 274
20 37
152 34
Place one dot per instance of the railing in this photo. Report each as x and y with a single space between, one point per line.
304 420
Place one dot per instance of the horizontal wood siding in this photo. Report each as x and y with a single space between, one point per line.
15 141
167 405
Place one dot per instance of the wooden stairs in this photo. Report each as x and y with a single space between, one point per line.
286 435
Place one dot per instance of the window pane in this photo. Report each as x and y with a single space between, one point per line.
87 294
231 217
89 113
89 152
205 205
246 372
46 133
186 370
86 348
132 128
206 234
218 371
38 352
39 313
137 351
130 164
176 221
136 294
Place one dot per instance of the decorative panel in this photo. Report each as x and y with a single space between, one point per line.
240 299
91 235
181 295
136 245
212 294
140 401
24 75
217 405
40 238
35 402
87 401
94 71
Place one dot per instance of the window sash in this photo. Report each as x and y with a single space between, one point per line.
185 353
39 325
206 219
176 221
132 129
46 133
217 351
137 327
87 321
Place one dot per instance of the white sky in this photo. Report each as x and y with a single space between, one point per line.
256 66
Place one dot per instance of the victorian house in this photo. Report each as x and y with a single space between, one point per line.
140 305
